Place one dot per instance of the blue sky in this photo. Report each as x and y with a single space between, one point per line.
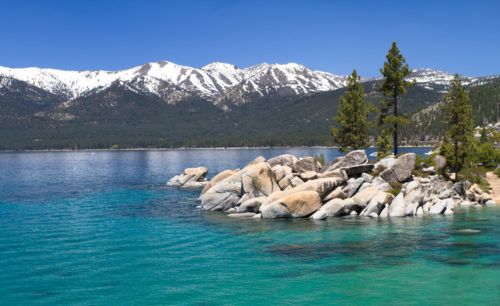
335 36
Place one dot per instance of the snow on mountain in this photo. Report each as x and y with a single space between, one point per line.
426 75
215 81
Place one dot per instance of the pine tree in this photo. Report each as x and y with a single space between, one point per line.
384 144
352 117
392 86
459 122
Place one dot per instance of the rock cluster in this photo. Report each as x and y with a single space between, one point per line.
191 177
289 187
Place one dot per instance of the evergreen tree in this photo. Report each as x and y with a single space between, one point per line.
392 86
352 117
459 122
384 144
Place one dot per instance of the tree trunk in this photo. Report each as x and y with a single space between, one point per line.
456 160
395 134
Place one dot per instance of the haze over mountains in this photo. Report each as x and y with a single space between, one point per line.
165 104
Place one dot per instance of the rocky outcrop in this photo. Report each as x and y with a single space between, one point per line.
288 187
191 177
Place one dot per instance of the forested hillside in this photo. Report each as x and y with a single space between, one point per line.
119 117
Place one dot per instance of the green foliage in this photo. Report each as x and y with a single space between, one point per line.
384 144
393 85
459 124
475 175
487 155
352 117
379 169
321 159
396 188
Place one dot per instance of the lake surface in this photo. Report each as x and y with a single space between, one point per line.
102 228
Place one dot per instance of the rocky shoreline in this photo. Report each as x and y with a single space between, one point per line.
289 187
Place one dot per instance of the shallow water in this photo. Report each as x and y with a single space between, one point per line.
101 228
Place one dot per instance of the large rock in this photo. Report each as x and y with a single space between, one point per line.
413 197
334 173
377 203
283 160
358 169
461 187
381 184
252 181
250 205
337 193
258 180
306 164
308 175
191 177
398 206
219 177
401 170
351 159
223 195
279 172
385 162
322 186
296 205
438 207
363 197
439 161
352 186
333 208
259 159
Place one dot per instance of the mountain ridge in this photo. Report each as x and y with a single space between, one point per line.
216 82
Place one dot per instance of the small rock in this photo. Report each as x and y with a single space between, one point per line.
490 203
430 170
445 194
367 178
308 175
241 215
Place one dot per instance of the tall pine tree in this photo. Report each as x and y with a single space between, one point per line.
459 122
392 86
352 117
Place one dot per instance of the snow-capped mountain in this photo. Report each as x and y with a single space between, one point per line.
216 82
172 82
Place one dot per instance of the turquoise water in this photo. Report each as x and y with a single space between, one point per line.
101 228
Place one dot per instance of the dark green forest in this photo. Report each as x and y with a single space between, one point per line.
118 118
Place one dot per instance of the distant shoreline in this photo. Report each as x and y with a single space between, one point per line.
186 149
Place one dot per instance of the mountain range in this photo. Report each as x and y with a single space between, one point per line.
50 108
